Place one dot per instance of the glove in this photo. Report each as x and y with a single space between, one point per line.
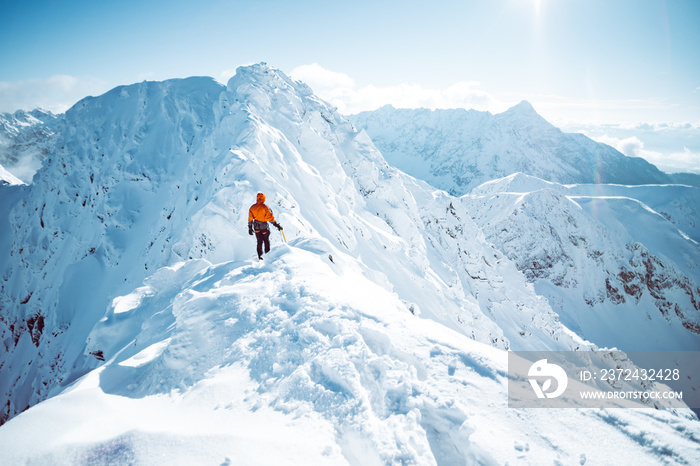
277 225
250 230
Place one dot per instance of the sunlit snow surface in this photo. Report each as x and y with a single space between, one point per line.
301 360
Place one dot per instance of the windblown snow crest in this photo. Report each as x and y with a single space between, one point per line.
130 283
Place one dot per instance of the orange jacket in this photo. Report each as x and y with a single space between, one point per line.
260 212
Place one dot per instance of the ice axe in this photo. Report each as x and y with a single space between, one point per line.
277 225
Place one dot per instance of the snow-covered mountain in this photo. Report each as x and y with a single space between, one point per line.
605 259
457 150
376 335
153 174
26 138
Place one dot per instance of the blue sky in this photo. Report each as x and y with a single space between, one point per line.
581 63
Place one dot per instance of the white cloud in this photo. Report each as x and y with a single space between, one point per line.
686 161
57 93
631 147
340 90
677 128
672 162
320 78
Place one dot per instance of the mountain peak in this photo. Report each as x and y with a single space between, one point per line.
524 105
259 70
525 115
265 76
461 152
522 108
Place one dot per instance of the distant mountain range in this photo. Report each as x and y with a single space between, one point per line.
457 150
26 138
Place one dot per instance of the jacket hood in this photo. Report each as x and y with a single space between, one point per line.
261 198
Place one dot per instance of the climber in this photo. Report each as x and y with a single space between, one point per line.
258 216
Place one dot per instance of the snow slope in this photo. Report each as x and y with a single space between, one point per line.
630 252
286 362
457 150
128 287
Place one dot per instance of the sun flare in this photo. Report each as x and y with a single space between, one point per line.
537 4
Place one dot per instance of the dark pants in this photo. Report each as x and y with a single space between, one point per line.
263 237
